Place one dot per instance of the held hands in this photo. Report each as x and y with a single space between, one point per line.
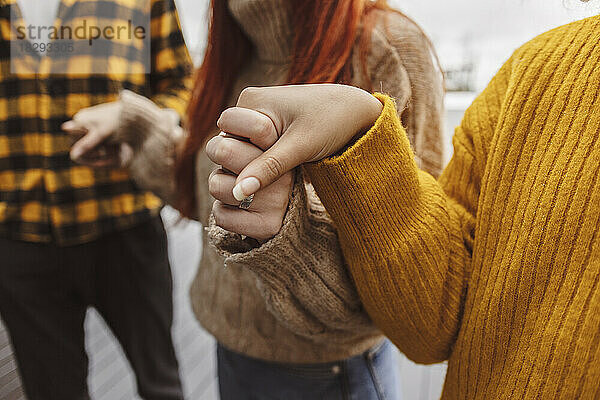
264 217
93 128
295 125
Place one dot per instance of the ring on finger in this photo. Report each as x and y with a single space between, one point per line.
247 202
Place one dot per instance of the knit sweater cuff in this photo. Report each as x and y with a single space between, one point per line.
153 133
301 271
270 257
141 118
356 187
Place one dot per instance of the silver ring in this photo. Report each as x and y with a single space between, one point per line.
247 202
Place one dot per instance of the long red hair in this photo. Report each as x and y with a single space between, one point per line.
325 33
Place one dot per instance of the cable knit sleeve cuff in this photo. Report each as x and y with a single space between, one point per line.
141 119
153 134
249 252
301 271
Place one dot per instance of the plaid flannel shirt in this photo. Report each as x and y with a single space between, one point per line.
44 196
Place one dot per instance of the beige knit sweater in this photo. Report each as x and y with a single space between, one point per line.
291 299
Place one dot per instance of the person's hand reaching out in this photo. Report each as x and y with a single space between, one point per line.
92 129
101 140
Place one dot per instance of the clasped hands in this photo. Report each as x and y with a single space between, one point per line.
92 130
271 131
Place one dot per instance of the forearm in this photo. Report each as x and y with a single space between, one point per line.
302 273
402 238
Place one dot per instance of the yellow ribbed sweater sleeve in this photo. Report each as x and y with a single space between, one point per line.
408 238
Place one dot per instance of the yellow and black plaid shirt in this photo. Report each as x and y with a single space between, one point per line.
44 196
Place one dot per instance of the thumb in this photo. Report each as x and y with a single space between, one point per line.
267 168
92 139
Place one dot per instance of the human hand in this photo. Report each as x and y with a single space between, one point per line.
264 218
93 129
295 125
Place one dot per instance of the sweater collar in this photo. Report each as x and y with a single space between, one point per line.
268 24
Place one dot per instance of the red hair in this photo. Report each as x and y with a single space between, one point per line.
321 57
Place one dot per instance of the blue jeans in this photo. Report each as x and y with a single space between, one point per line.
373 375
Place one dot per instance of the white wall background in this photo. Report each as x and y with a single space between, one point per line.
494 28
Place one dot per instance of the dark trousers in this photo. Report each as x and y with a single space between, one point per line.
45 291
373 375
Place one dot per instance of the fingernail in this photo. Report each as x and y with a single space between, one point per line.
68 125
209 147
75 154
246 188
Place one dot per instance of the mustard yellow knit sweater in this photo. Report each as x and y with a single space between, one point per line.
495 266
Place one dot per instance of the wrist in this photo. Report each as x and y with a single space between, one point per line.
140 118
135 117
373 109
